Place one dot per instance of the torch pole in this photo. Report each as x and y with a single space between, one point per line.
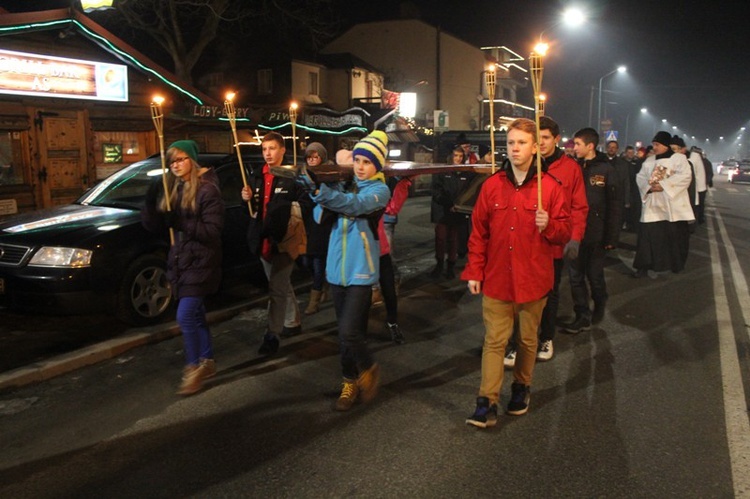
232 117
157 115
490 80
293 119
535 61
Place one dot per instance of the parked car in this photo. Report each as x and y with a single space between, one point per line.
740 173
725 165
95 256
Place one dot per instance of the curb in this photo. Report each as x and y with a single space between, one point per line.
109 349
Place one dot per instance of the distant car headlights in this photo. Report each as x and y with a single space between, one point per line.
51 256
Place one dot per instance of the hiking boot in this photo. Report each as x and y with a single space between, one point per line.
348 397
519 399
545 351
485 415
598 314
368 383
208 368
396 335
438 270
192 381
314 305
581 323
270 344
510 358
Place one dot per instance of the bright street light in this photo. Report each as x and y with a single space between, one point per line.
620 69
574 17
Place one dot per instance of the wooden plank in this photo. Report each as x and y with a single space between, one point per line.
333 173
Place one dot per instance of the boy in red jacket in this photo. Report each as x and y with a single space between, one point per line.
511 262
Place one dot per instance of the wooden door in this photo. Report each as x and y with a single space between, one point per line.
62 171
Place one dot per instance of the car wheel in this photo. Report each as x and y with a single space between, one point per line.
145 292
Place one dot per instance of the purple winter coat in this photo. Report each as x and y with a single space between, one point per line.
194 262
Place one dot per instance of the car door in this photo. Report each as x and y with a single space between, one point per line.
236 253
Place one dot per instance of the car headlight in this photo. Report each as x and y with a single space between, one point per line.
51 256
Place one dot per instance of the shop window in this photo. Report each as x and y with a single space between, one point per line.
11 163
265 81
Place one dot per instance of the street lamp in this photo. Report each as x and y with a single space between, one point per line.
620 69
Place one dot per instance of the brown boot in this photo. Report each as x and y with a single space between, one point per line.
314 305
192 380
208 366
349 392
368 383
324 293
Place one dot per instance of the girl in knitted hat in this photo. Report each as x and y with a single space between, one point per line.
196 218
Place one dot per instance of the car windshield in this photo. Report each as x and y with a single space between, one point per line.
125 188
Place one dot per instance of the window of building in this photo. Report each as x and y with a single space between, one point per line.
265 81
11 162
312 83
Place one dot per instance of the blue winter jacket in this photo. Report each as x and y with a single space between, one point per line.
353 252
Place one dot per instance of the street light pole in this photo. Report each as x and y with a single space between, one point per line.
620 69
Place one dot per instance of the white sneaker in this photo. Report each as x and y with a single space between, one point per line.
545 351
510 358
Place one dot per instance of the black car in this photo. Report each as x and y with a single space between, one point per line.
95 256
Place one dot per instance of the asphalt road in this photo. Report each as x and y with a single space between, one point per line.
650 403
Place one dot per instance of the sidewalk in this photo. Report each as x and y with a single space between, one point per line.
411 243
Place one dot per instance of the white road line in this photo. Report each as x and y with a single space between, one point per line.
735 405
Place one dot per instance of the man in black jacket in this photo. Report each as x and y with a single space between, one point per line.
270 199
602 231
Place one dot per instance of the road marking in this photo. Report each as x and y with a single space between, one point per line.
735 405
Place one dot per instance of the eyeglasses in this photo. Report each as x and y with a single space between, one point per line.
177 161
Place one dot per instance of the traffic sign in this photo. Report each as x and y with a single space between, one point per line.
611 135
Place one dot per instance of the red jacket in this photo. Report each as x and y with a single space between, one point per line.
568 172
506 251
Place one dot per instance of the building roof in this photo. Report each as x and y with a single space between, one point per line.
63 18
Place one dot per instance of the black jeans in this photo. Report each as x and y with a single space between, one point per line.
388 288
352 305
589 266
548 324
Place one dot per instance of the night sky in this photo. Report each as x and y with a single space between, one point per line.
687 61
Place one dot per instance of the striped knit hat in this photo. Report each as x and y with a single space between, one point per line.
374 147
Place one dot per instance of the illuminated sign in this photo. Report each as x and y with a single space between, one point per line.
112 153
47 76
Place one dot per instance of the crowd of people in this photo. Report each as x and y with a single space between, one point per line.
570 216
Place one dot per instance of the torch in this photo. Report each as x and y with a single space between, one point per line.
490 81
232 116
535 61
293 119
157 115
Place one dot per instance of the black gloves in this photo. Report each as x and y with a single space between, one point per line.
306 179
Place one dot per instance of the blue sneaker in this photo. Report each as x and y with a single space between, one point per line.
485 415
520 395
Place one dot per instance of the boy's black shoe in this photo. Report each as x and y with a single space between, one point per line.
270 344
598 315
485 415
396 335
438 270
581 323
519 399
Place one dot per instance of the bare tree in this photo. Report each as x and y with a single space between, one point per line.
184 28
